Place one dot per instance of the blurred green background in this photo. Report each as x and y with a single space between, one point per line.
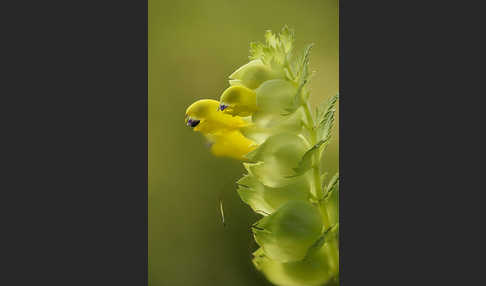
192 48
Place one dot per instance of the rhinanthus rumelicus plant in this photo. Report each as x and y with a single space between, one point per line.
265 120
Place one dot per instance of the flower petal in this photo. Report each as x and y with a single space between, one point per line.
231 144
211 119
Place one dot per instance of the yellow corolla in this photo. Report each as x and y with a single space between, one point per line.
231 144
238 100
222 130
204 116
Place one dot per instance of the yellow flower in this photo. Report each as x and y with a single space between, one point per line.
238 100
222 130
203 116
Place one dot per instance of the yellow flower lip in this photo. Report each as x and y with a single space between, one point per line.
192 122
206 118
223 106
226 109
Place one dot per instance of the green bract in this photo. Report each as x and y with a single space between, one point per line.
275 97
288 233
265 200
265 119
268 124
315 270
277 157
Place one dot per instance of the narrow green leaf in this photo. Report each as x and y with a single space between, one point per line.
326 120
304 67
331 187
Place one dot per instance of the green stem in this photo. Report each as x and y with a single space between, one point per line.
319 193
316 165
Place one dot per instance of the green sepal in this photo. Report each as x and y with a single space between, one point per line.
316 270
298 99
277 157
287 234
265 200
275 97
276 110
254 73
267 125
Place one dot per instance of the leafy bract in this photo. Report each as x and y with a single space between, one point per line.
332 186
303 75
325 118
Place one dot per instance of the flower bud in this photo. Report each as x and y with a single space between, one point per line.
287 234
253 74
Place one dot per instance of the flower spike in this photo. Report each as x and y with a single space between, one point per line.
264 119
